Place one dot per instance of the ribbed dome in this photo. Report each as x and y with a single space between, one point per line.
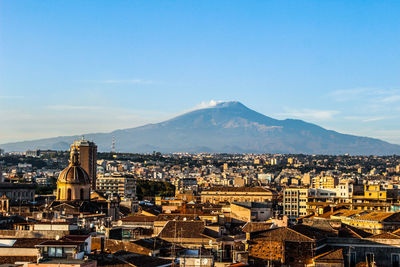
74 175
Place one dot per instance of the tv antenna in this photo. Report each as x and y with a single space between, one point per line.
113 144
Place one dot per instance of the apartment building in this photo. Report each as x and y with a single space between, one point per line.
123 185
324 182
295 202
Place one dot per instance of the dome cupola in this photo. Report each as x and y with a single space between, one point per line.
73 182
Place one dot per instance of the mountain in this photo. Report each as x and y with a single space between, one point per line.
226 127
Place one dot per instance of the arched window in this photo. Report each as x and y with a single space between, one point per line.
82 194
59 194
69 194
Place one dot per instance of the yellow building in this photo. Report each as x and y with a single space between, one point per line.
377 192
324 182
237 194
73 182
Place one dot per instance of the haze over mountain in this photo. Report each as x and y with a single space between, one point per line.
226 127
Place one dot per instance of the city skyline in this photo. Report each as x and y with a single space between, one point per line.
71 68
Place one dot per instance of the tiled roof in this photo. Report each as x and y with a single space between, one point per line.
368 215
313 232
238 189
346 213
68 240
296 233
333 256
385 235
352 232
177 217
251 227
13 259
380 217
139 218
28 242
182 229
152 243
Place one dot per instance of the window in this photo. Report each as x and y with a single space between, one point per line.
52 252
370 258
395 260
82 195
69 194
59 252
55 252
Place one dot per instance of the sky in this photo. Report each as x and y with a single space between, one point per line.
76 67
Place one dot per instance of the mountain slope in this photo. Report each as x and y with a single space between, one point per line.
228 127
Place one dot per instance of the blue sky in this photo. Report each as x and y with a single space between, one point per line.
74 67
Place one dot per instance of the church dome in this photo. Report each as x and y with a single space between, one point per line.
74 173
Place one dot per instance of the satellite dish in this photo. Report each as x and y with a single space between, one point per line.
57 237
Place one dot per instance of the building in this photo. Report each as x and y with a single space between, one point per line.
122 185
345 190
217 195
321 200
76 199
88 158
295 202
369 221
68 251
18 193
32 153
324 182
284 246
73 182
251 211
187 184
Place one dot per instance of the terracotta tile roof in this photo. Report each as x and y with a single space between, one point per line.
385 235
152 243
380 217
68 240
28 242
13 259
177 217
333 256
139 218
127 259
183 229
77 238
345 213
313 232
251 227
320 224
296 233
352 232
